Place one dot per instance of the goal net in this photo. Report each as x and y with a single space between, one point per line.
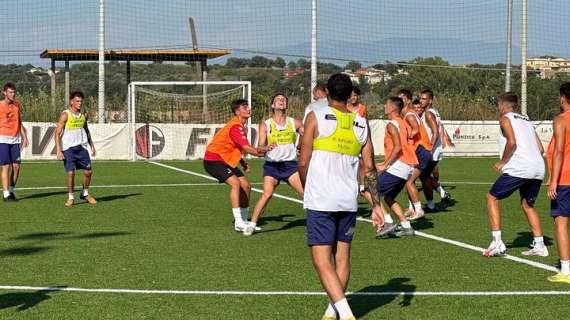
176 120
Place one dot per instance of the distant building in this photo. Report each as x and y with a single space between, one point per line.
549 66
370 75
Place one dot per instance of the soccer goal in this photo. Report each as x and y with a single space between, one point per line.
174 120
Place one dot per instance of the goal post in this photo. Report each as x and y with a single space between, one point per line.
174 120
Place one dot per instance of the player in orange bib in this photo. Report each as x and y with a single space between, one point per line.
13 137
399 162
558 159
225 152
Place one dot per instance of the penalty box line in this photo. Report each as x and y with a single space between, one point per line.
283 293
419 233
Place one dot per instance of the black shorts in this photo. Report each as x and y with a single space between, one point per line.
221 170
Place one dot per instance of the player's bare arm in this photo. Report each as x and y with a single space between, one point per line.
57 136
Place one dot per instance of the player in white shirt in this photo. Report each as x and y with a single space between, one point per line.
320 97
522 169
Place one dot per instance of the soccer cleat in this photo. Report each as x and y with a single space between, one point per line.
9 199
404 232
409 213
430 210
416 215
69 202
386 230
535 250
560 277
248 230
13 196
447 201
328 318
239 227
496 249
89 198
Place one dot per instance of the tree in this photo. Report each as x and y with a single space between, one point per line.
260 62
279 62
292 65
303 63
353 65
236 63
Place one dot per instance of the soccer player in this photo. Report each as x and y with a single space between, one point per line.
432 123
334 138
281 162
354 103
13 137
399 162
320 97
225 152
415 130
72 138
558 158
522 169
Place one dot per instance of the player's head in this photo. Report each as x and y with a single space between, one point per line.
426 98
240 108
76 100
565 96
394 105
10 91
339 87
355 95
406 95
417 107
279 102
319 91
508 102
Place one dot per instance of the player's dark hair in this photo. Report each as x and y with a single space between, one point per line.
416 102
9 85
339 87
237 103
76 93
428 92
320 86
510 98
406 93
397 102
356 90
565 91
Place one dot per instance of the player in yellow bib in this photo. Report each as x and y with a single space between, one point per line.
279 131
72 138
332 141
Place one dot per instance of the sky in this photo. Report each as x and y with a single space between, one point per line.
376 30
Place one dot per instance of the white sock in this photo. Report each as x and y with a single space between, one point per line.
441 191
330 312
343 309
70 196
11 189
539 242
6 193
388 218
361 188
85 192
496 234
430 204
565 267
405 224
244 213
410 205
418 207
237 216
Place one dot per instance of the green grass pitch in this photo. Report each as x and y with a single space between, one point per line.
158 229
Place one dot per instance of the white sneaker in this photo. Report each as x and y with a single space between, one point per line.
239 227
416 215
535 250
496 249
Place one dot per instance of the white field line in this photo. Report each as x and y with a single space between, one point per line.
168 185
289 293
421 234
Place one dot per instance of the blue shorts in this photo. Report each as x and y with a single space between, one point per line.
506 185
76 158
560 207
9 153
328 228
389 185
281 171
424 158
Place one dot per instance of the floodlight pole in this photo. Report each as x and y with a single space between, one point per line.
509 46
313 48
523 57
101 102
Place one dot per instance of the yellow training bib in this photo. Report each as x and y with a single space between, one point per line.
343 140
